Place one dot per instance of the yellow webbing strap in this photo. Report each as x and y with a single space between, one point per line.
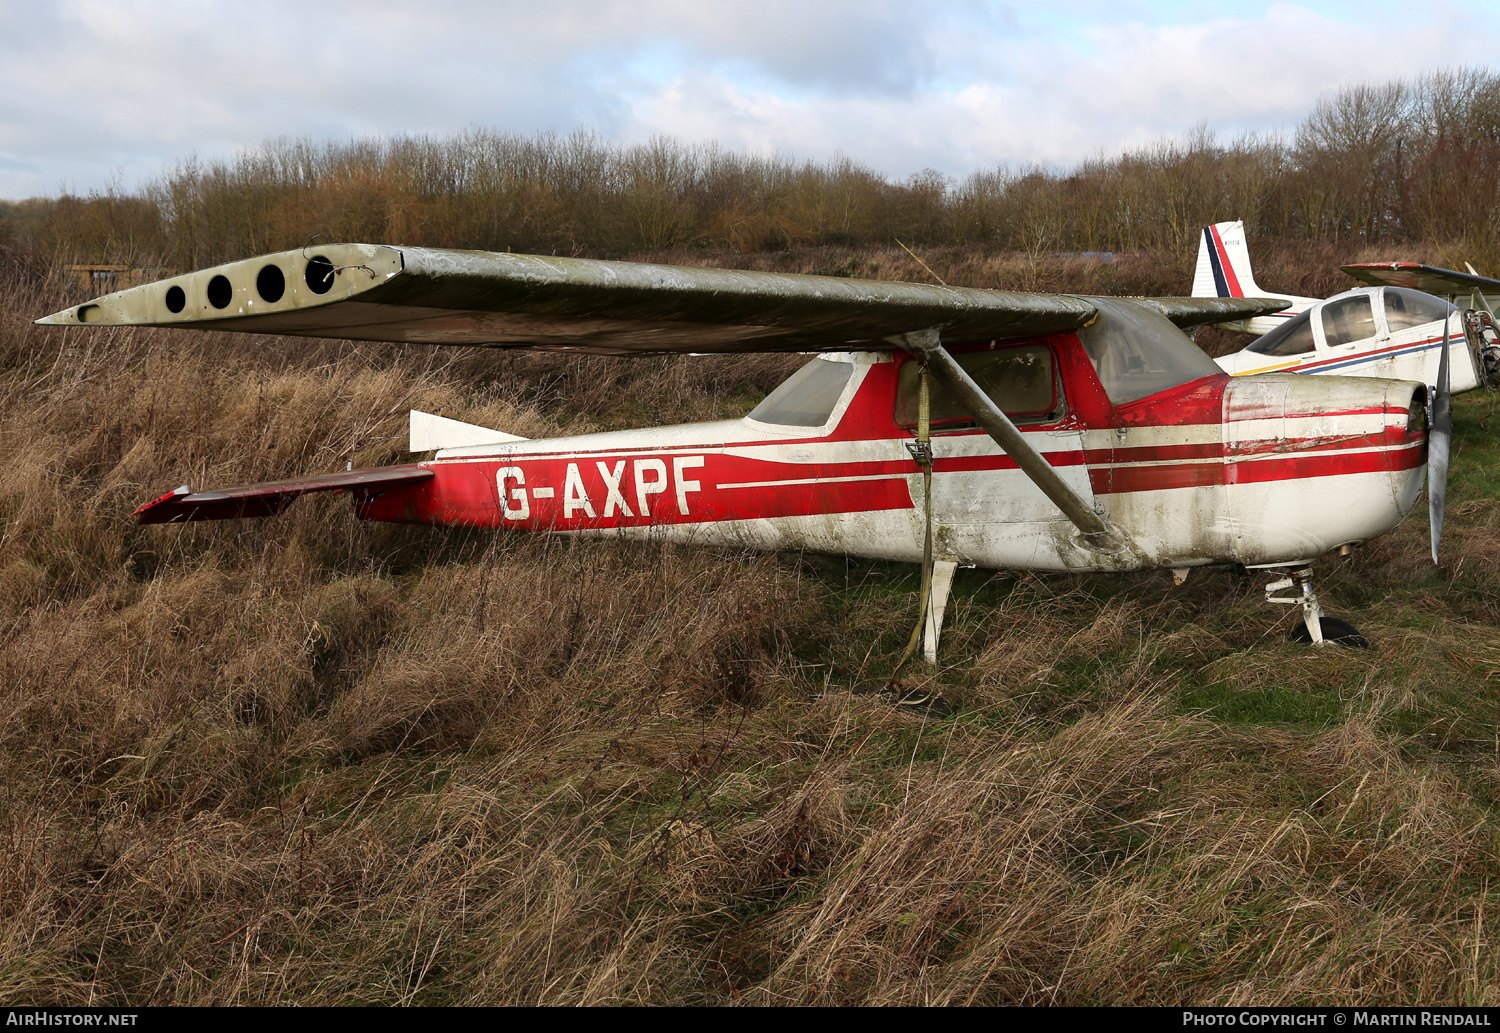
922 453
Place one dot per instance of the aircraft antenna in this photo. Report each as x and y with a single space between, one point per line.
921 263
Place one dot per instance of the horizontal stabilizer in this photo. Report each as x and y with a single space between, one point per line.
1442 282
429 432
268 499
1191 312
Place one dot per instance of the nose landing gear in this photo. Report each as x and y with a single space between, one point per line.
1316 628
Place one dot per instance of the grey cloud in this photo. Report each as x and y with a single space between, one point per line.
91 86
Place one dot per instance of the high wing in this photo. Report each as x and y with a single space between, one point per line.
433 296
1443 282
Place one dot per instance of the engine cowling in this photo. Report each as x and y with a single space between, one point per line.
1316 463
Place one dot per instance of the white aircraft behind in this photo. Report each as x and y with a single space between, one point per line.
1394 329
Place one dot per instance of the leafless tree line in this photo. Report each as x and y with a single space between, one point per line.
1415 161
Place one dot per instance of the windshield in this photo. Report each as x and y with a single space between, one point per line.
807 397
1137 351
1406 308
1294 337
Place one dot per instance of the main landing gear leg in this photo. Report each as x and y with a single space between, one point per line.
1317 628
942 582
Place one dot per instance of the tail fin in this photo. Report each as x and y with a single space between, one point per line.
429 432
1224 264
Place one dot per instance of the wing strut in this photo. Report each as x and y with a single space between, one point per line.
928 344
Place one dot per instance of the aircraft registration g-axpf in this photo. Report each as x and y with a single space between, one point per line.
1396 328
943 425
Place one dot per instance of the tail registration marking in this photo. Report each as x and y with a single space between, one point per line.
649 476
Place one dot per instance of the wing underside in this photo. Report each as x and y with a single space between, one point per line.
1432 279
432 296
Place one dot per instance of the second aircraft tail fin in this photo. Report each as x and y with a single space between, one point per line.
1223 271
1224 264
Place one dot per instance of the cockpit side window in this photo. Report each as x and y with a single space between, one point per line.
1294 337
1406 308
1136 351
807 398
1020 380
1348 320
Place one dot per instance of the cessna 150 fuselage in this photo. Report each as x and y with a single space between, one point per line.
1059 433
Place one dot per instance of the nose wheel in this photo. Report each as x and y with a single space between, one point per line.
1316 628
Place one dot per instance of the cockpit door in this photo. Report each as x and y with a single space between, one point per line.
975 483
1347 325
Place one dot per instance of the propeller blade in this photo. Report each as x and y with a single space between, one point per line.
1439 442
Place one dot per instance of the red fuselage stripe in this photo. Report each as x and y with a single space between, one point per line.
1120 480
695 487
1377 352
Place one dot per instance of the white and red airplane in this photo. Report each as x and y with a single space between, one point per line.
1395 328
1058 433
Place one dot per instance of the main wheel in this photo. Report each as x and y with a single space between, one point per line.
1334 630
912 701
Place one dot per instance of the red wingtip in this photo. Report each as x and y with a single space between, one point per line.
175 493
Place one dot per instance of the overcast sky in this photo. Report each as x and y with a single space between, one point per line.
98 90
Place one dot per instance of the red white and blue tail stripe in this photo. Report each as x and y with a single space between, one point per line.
1223 271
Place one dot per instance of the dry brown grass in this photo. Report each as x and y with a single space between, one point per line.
312 761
